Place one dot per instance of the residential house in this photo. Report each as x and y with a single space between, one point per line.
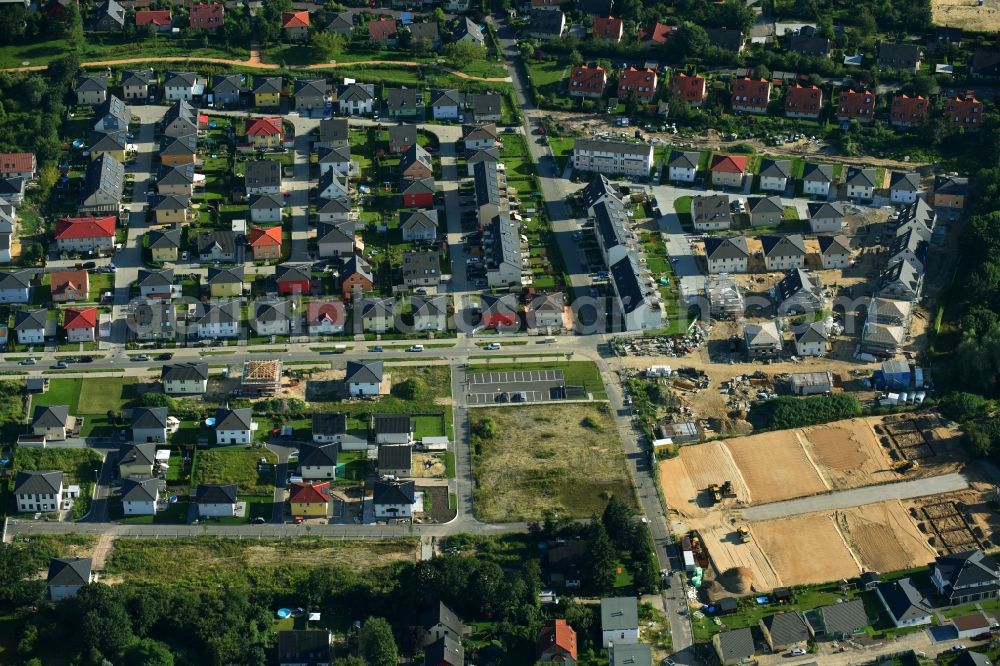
419 225
826 217
689 88
638 654
655 34
112 115
765 211
151 319
803 101
312 95
904 187
180 86
218 320
905 57
763 340
751 95
333 185
727 170
470 32
103 184
266 208
176 180
969 658
711 212
91 89
444 652
68 286
774 174
421 269
556 642
395 460
136 82
356 99
267 91
263 177
638 82
80 324
383 31
950 192
319 460
855 105
904 603
437 621
178 150
798 293
206 16
67 576
967 577
965 112
341 23
366 378
159 19
295 26
158 284
683 166
479 137
181 119
985 64
418 192
727 254
189 378
906 111
377 314
31 326
265 243
215 246
501 244
309 500
785 630
612 157
12 192
15 286
108 143
325 317
405 104
843 620
356 277
402 137
52 422
734 647
834 251
586 81
816 179
499 312
339 160
416 163
334 241
393 499
486 107
333 133
234 426
216 500
18 165
226 90
140 496
430 314
109 17
546 312
726 38
608 28
546 23
171 209
226 282
448 104
300 647
39 491
149 424
811 339
293 279
860 183
265 133
619 621
809 41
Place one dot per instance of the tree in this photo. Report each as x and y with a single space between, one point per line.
411 388
462 53
377 643
962 406
13 22
600 564
148 652
618 521
486 429
327 44
439 15
527 50
104 624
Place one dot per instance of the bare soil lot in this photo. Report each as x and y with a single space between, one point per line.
685 479
566 458
727 552
884 537
775 466
806 549
967 14
849 454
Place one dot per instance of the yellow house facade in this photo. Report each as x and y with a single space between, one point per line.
226 289
162 254
267 99
309 499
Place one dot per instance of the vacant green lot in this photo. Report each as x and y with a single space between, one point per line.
237 465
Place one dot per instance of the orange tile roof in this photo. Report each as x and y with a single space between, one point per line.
558 634
85 227
265 236
264 127
690 88
657 32
906 109
80 318
588 79
803 99
309 493
295 20
60 281
729 163
22 162
158 17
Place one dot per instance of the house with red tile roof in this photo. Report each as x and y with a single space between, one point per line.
608 27
208 16
656 34
728 170
158 18
856 105
556 642
80 324
585 81
691 89
906 111
265 243
751 95
383 31
965 112
803 101
295 25
309 499
640 82
85 234
263 133
17 165
67 286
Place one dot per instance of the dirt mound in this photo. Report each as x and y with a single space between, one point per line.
738 580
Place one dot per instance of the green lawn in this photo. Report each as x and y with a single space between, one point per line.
237 465
101 394
546 73
61 392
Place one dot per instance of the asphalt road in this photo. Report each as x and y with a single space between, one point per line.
858 496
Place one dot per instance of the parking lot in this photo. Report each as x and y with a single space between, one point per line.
490 388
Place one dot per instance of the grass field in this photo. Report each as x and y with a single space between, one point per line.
235 465
565 458
89 396
576 373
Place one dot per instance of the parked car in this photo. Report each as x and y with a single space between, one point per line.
59 365
377 349
141 357
415 348
28 361
164 357
493 346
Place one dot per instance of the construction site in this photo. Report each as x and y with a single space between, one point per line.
716 490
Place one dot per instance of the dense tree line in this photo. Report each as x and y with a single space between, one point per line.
792 412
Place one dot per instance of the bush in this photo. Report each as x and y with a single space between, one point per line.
152 399
788 412
486 429
410 389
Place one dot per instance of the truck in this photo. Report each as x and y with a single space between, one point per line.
744 533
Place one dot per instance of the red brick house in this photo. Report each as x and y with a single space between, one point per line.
608 27
908 111
853 104
751 95
292 280
69 286
803 101
641 82
207 16
587 81
80 324
158 18
418 193
265 243
691 89
965 112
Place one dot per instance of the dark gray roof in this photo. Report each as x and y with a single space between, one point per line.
845 618
137 77
149 417
900 56
286 272
401 99
398 456
725 38
105 175
969 658
339 205
327 424
860 177
332 233
31 483
834 244
273 310
393 424
180 79
233 275
445 650
101 141
795 281
267 84
233 419
787 628
710 208
726 247
364 372
971 568
70 571
619 614
181 174
305 88
809 42
625 275
226 83
775 168
479 131
951 185
219 313
684 159
822 173
783 246
736 645
140 490
171 202
216 493
225 239
335 155
900 271
421 264
356 265
547 20
393 492
418 219
413 154
418 185
321 455
403 134
597 189
903 600
467 27
334 129
263 173
182 371
618 147
427 307
486 104
266 202
822 210
356 92
50 416
137 454
30 320
770 204
304 646
92 82
447 98
16 279
637 654
909 182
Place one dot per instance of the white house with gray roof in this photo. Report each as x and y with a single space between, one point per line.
447 104
419 225
763 340
32 326
15 286
613 157
364 378
149 424
711 212
811 339
140 496
234 426
782 253
860 183
904 188
356 99
765 211
40 492
774 174
67 575
727 254
834 251
683 166
816 179
189 378
619 621
826 217
181 86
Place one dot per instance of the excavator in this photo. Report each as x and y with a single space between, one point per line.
905 466
744 533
